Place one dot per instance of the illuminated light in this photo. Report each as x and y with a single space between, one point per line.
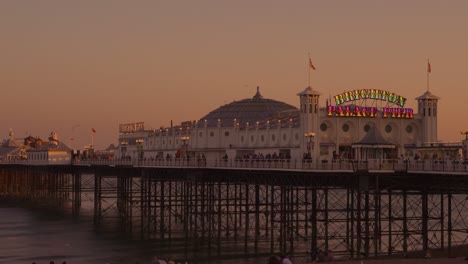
384 95
385 112
372 112
331 109
358 112
374 94
348 111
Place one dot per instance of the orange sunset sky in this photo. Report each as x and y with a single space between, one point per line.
69 66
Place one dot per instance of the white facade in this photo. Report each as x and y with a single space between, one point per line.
288 133
53 152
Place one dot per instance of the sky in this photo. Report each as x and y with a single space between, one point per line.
70 66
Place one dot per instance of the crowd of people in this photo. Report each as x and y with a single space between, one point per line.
261 156
52 262
162 260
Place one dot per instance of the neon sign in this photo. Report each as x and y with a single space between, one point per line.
360 111
370 94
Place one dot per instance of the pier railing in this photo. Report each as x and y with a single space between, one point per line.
283 164
290 164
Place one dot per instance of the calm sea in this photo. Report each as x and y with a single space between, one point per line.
32 235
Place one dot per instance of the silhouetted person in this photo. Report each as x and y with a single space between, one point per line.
274 260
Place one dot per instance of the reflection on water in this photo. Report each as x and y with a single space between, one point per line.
32 235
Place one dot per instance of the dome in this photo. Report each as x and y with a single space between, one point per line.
249 110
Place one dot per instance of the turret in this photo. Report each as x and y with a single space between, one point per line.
310 118
427 107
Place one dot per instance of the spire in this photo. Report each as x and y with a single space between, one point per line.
258 95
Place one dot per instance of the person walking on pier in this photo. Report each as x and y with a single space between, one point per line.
286 259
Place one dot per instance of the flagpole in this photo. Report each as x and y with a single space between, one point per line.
308 67
428 71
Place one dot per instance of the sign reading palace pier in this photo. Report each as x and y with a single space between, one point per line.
341 110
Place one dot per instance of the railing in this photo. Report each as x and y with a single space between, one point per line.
283 164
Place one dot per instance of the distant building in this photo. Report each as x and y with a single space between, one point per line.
11 149
53 152
107 153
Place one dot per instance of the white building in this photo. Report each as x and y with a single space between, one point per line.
53 152
259 127
11 149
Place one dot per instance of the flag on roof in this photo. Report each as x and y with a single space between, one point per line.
310 63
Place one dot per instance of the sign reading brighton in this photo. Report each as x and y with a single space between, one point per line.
345 108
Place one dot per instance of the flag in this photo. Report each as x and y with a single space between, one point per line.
310 64
94 130
428 67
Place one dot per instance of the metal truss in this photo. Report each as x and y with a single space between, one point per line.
258 212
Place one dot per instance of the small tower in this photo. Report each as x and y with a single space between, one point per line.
427 107
53 138
310 119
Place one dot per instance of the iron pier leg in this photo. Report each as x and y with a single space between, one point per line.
425 222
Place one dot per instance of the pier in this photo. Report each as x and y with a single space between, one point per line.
355 209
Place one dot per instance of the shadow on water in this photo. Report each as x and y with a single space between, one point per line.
41 235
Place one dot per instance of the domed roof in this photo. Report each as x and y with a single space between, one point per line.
249 110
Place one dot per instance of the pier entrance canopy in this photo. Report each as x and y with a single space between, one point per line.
374 146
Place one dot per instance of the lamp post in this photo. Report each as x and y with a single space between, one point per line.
123 149
184 145
310 144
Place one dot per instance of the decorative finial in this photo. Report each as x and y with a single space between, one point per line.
258 95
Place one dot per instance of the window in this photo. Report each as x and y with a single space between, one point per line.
388 128
262 138
226 134
273 138
324 150
200 134
366 128
323 127
211 134
409 129
345 127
